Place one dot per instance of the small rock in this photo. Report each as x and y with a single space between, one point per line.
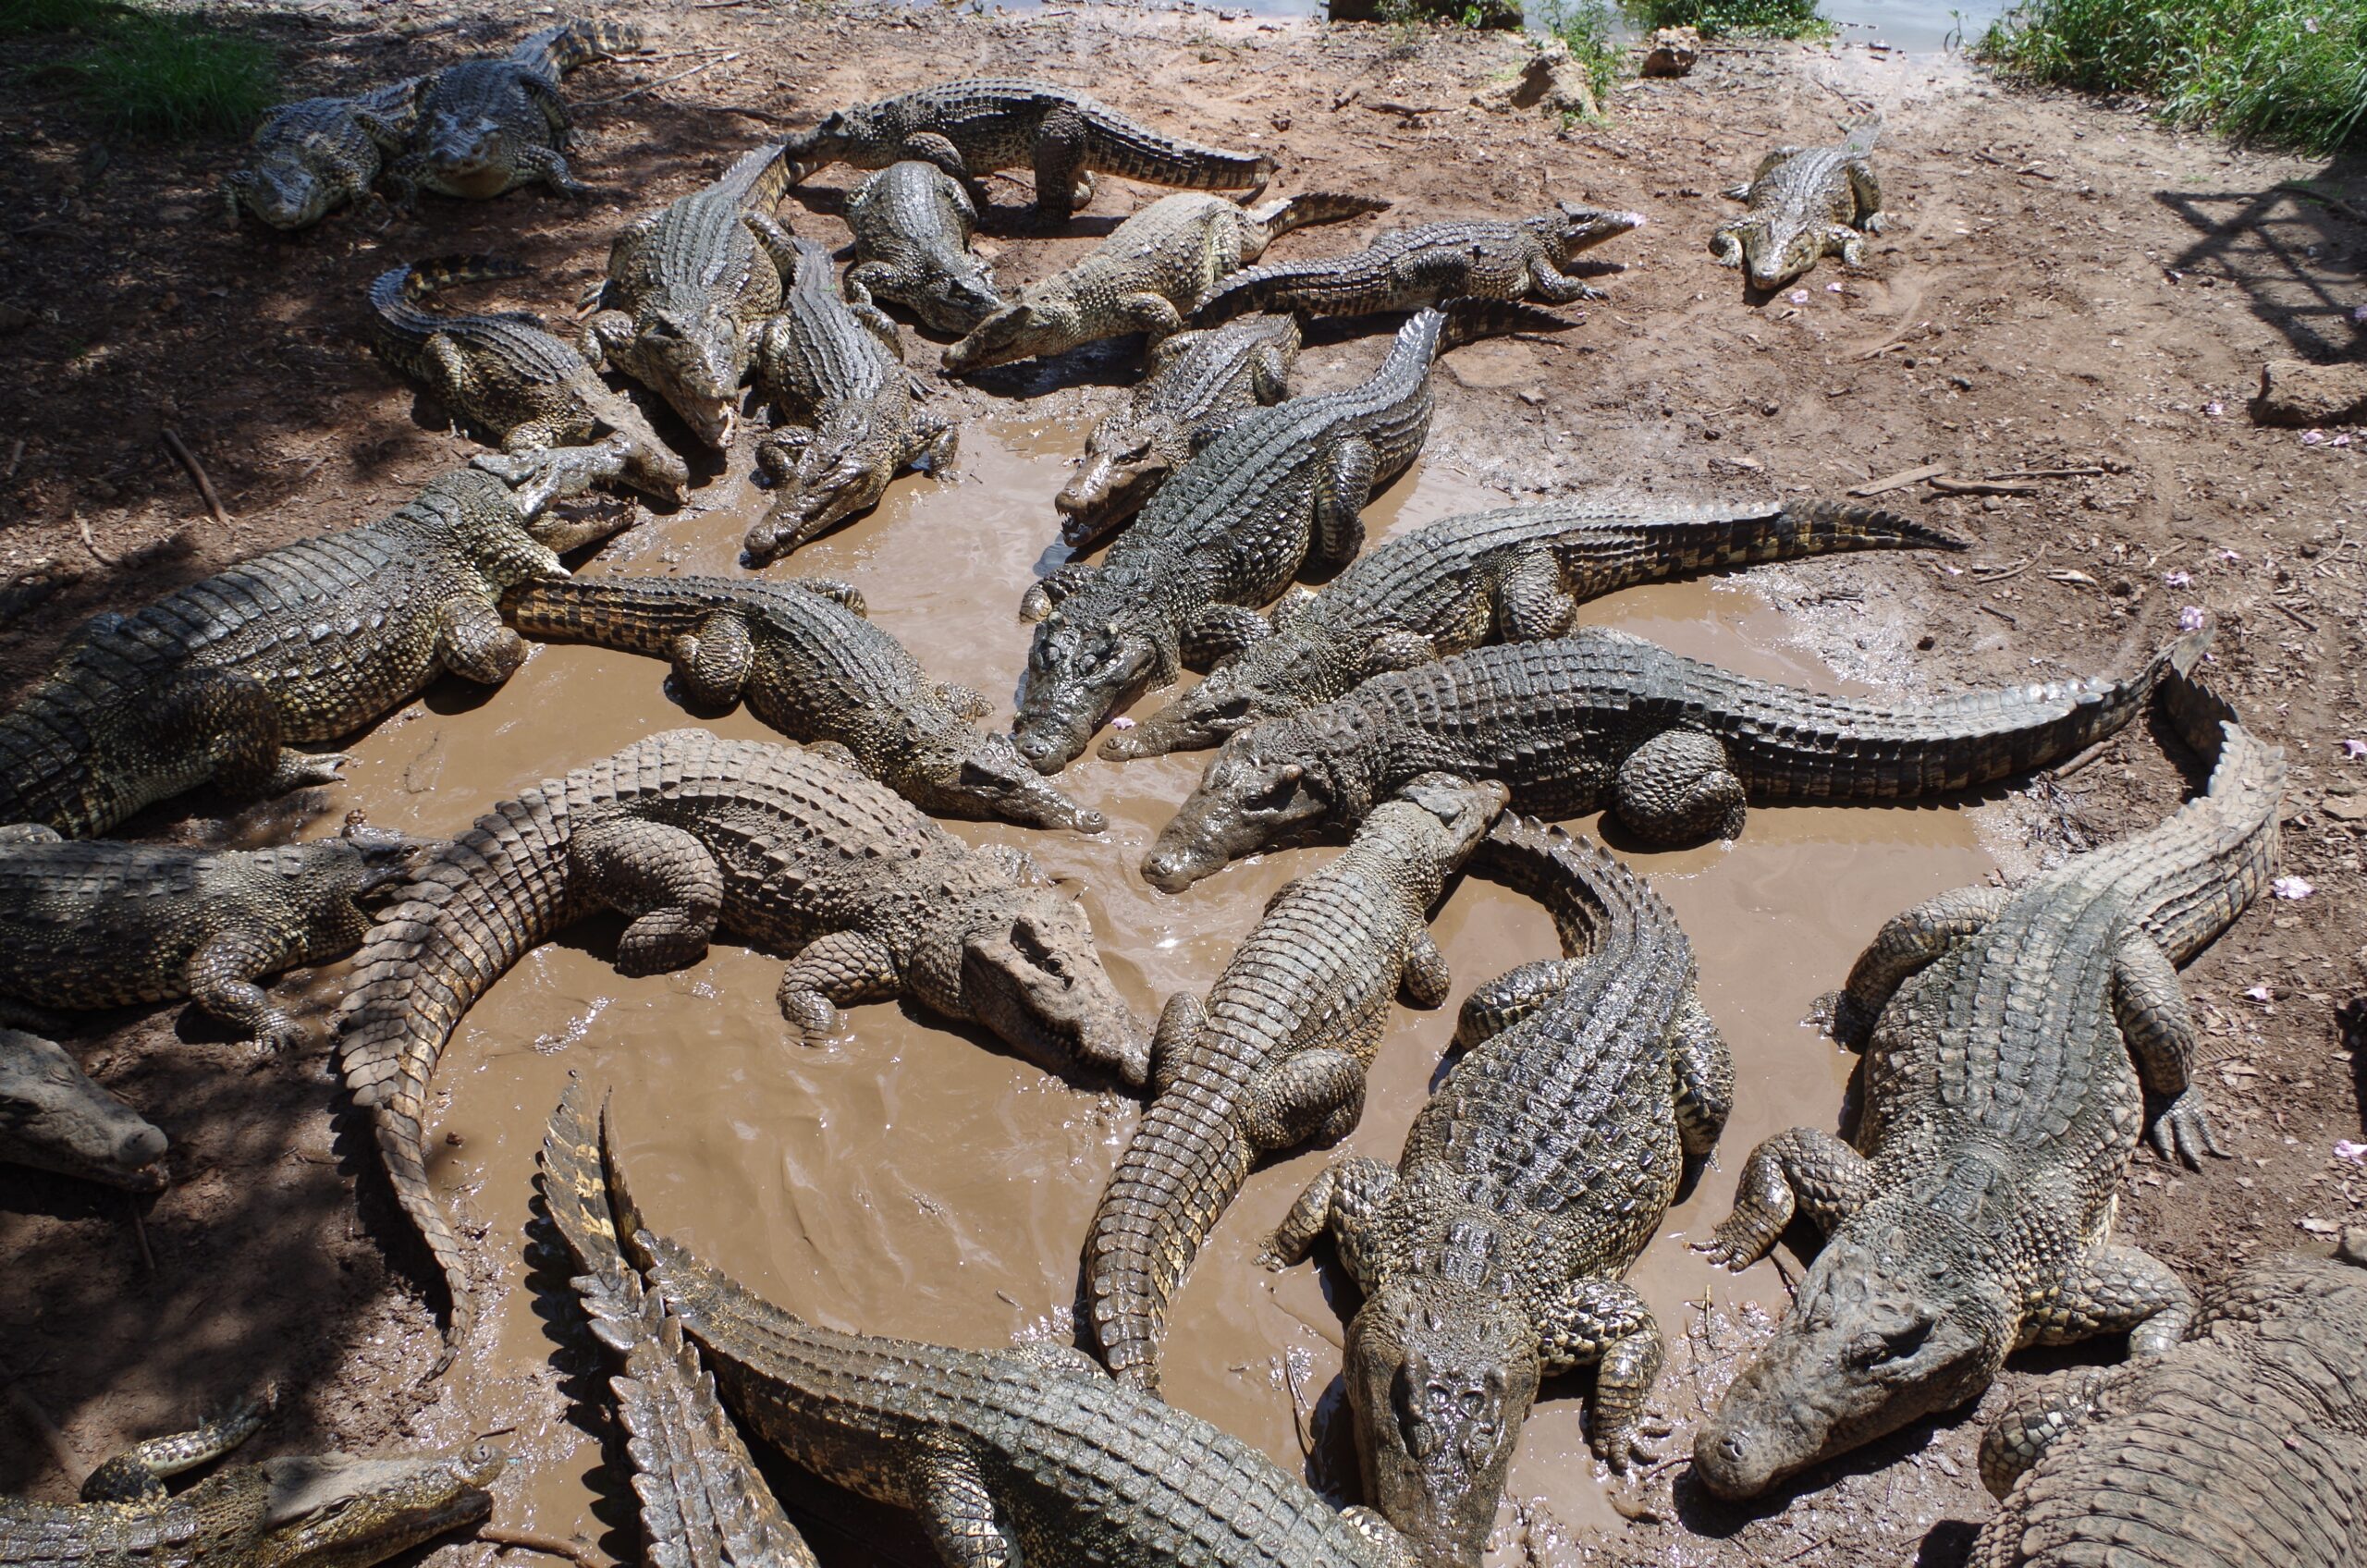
1672 52
1551 80
2294 392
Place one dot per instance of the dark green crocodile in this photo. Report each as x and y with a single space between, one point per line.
911 224
1279 489
2014 1036
486 126
309 158
54 1117
1277 1055
1517 575
799 653
1492 1256
1806 203
689 835
1603 721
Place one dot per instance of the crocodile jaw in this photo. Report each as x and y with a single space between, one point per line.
335 1508
1018 331
1033 975
991 778
1245 802
285 195
52 1117
1076 676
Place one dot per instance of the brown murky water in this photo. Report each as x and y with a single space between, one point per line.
915 1182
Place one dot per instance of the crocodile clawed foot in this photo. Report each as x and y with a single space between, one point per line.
300 770
277 1034
2184 1134
816 1022
1734 1247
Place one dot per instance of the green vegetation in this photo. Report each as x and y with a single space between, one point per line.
1766 19
150 72
1591 29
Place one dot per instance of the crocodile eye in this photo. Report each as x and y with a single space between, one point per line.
1279 794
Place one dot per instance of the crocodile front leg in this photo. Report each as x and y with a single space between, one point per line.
711 664
221 977
1550 283
2151 1009
1062 183
1705 1078
1060 582
663 879
1802 1171
2112 1289
948 1492
1220 632
1847 243
1512 996
1680 788
836 971
549 165
2035 1418
1339 497
1908 942
1425 979
1604 1322
233 719
1725 244
472 642
608 341
1344 1200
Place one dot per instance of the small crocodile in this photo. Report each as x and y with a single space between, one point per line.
1515 574
1277 1055
54 1117
2243 1446
799 653
486 126
1491 1257
504 373
1407 268
971 127
1197 381
1806 203
2014 1034
1279 489
309 641
1153 268
835 364
911 224
688 835
309 158
686 288
1601 720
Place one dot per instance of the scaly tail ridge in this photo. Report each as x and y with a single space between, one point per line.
554 51
1469 320
1312 207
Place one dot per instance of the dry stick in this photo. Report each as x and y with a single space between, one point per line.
16 456
93 545
1947 486
140 1229
38 1419
2020 566
2050 472
661 82
204 486
549 1546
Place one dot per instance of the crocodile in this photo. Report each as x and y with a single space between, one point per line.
1407 268
1154 266
487 126
309 641
504 373
54 1117
2010 1040
1281 488
911 224
800 654
1515 574
311 157
1674 747
835 364
1806 203
1197 381
687 835
2243 1446
686 288
971 127
1277 1054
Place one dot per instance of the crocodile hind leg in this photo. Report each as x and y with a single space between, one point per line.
1424 980
1512 996
1339 497
711 664
1907 942
964 703
1220 632
221 978
1531 604
2112 1289
1803 1171
1314 1096
1705 1078
1064 185
1679 787
1343 1200
474 644
233 721
137 1474
2150 1008
948 1490
839 970
2035 1418
1725 244
1550 283
1605 1323
662 878
1866 185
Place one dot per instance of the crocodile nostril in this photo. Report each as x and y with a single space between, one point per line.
144 1148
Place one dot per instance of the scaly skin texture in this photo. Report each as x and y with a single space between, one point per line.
802 657
2013 1036
484 127
1276 1055
309 158
307 642
969 128
54 1117
1517 575
1492 1256
1603 721
686 288
1806 203
689 835
526 389
1279 489
1412 267
1152 269
2243 1446
1196 383
911 224
835 365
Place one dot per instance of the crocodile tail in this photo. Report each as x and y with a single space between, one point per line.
1469 320
1134 150
1819 528
575 1193
554 51
396 295
758 175
1859 141
606 612
2217 853
1589 893
1309 208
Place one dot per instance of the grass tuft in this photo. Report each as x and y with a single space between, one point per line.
154 73
1591 29
1716 18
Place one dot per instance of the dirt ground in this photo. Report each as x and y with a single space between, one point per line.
2067 294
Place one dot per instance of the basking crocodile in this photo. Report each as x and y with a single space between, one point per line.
54 1117
1153 268
309 641
503 372
911 224
309 158
1516 574
1411 267
486 126
835 364
688 835
1279 489
686 288
1277 1055
1197 381
1492 1256
2243 1446
1806 203
2014 1036
806 662
1601 720
971 127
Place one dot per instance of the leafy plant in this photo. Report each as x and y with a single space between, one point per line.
1591 27
1769 19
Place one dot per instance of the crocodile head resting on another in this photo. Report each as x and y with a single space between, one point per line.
689 358
820 476
986 771
1260 792
1023 329
334 1508
54 1117
1078 673
1023 963
282 191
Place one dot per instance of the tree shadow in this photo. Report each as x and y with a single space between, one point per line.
2296 250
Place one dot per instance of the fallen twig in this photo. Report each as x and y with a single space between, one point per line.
2090 472
688 53
2299 619
661 82
2295 188
1391 107
1946 486
2085 759
204 486
549 1546
2001 615
140 1229
1900 480
1988 574
93 545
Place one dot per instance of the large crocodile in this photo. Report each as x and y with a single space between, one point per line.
486 126
54 1117
1516 574
311 157
971 127
309 641
1806 203
2015 1034
803 656
1152 269
688 835
1491 1257
911 224
1411 267
1279 489
1602 721
2243 1446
